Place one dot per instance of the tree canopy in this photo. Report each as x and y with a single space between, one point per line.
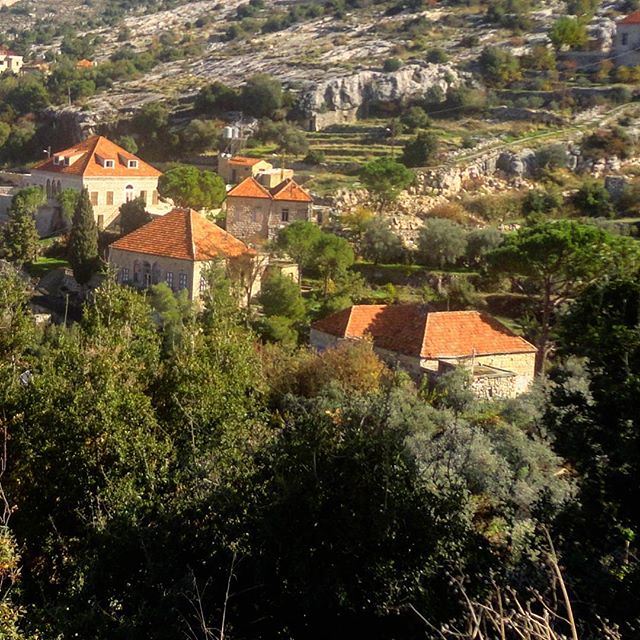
385 178
189 186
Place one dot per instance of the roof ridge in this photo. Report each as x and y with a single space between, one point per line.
346 327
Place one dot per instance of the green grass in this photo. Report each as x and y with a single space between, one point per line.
43 265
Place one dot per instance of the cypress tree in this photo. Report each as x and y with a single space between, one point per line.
83 241
20 235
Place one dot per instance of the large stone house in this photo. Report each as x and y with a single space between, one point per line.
626 46
176 248
500 362
10 61
110 174
256 213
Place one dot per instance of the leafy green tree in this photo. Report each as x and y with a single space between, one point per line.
83 241
415 118
68 200
20 236
200 135
5 130
592 199
592 414
560 259
333 256
133 214
280 330
216 97
480 242
290 139
568 32
441 242
379 243
191 187
128 143
421 150
499 66
261 95
17 329
541 202
385 178
280 296
174 313
299 240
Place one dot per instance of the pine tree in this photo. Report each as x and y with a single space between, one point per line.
20 233
83 241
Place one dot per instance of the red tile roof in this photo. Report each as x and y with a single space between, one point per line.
84 160
412 330
183 234
291 191
7 52
84 64
632 18
244 161
288 190
249 188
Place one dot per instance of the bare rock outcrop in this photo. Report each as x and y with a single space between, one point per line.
341 99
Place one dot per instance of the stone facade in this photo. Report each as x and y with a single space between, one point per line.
10 62
107 194
256 219
626 46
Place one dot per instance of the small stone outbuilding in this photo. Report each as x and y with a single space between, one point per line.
256 213
431 343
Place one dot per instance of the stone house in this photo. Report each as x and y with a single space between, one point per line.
10 61
234 169
626 45
176 248
110 174
256 213
427 343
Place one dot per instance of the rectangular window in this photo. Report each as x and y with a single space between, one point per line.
100 222
133 164
109 164
109 197
154 197
169 279
182 280
124 275
94 198
143 195
625 39
284 215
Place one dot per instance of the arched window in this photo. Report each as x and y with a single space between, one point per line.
136 271
156 273
128 193
146 274
49 194
59 190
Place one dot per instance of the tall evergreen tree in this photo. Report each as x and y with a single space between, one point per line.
83 241
20 234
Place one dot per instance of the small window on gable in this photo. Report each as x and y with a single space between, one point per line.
109 164
56 160
66 161
132 164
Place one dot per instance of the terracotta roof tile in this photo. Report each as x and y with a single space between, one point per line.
84 161
412 330
291 191
244 161
183 234
632 18
249 188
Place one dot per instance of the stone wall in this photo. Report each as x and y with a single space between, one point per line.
159 267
